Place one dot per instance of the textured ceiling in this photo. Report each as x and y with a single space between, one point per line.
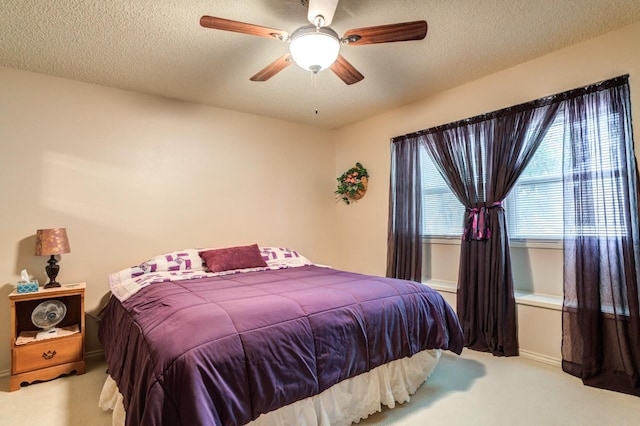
158 47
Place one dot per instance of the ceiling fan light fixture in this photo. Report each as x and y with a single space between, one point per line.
314 49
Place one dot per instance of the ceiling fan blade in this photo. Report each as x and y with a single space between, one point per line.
347 72
273 68
324 8
403 31
241 27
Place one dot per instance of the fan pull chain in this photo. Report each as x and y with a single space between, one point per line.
314 84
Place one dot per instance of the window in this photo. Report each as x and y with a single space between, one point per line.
601 163
437 197
533 207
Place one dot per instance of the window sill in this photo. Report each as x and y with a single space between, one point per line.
533 244
537 244
522 298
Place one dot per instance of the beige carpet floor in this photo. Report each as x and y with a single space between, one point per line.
474 389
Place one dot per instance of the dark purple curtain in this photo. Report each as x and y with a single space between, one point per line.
404 239
601 328
481 159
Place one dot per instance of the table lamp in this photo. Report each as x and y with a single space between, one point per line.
51 242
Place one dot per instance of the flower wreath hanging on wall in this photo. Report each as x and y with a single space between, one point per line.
352 185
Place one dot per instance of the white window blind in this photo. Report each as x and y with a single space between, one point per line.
442 213
602 209
534 207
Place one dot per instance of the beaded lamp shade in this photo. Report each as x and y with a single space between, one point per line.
50 242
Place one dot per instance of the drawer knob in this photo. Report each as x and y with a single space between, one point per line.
48 355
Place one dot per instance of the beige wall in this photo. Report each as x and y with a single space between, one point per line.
364 225
132 176
109 165
362 229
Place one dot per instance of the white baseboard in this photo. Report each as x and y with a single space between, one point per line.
99 353
541 358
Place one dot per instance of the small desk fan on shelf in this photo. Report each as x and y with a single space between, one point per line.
46 316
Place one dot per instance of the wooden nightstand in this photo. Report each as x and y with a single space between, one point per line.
49 358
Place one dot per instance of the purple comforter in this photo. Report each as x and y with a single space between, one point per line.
223 350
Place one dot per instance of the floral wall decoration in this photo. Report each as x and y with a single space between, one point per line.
352 185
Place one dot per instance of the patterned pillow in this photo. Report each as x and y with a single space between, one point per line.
188 259
281 255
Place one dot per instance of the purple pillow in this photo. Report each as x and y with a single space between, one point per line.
229 258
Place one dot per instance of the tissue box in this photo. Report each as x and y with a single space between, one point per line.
28 287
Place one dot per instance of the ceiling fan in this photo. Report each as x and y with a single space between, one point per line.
317 46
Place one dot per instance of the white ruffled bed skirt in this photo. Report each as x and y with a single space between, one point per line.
342 404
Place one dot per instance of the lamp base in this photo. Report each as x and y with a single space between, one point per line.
52 284
52 272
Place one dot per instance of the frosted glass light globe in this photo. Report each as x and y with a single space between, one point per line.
314 49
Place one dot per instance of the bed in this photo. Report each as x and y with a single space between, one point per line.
262 336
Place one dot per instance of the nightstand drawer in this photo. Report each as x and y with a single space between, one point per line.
48 353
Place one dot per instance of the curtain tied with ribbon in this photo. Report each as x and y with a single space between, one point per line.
479 158
477 223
